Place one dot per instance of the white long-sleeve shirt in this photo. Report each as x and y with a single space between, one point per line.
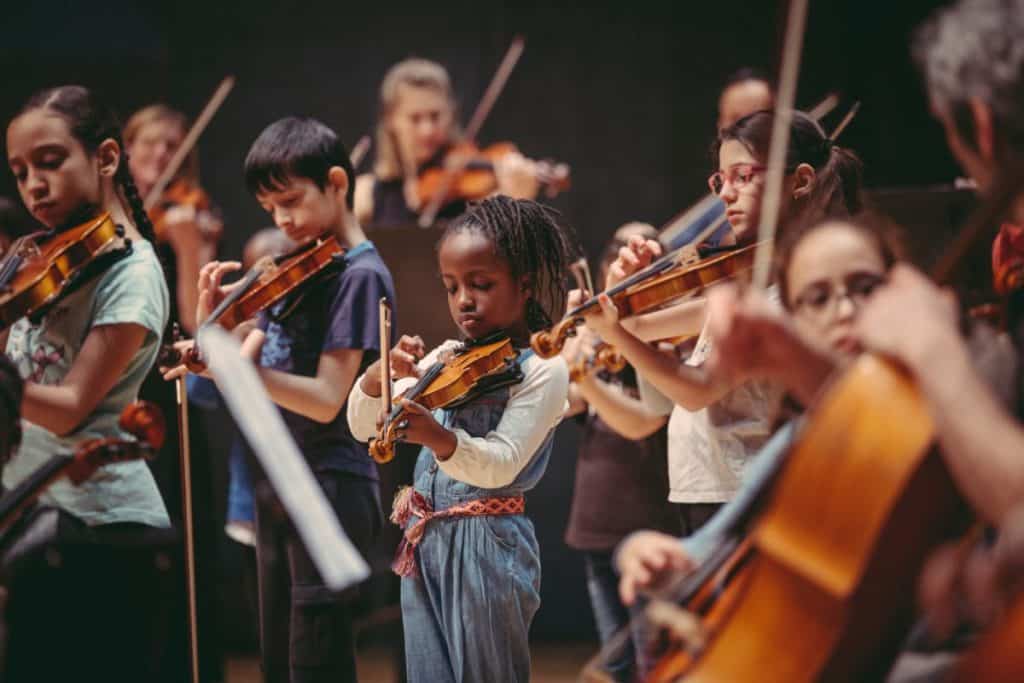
535 406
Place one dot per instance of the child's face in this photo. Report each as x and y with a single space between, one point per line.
483 297
152 149
56 176
832 272
302 210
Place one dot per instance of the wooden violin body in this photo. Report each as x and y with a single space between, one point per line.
602 357
36 271
468 173
276 281
839 546
444 385
656 286
179 193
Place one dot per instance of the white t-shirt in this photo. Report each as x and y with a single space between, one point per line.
708 449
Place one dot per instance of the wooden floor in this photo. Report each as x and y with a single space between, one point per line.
552 663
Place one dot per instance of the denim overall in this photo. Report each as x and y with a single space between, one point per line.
467 614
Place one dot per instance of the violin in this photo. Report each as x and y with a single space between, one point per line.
41 268
998 656
669 278
141 419
468 172
181 193
265 284
602 357
466 372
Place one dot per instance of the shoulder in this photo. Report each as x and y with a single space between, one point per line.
141 270
367 270
550 373
363 200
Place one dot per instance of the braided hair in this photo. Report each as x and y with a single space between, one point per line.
11 390
91 122
531 238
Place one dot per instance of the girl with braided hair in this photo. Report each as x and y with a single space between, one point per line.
88 355
470 561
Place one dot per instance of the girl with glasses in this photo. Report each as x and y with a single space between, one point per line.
716 424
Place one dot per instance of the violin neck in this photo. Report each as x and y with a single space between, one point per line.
234 296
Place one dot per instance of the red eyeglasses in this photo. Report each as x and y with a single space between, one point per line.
738 175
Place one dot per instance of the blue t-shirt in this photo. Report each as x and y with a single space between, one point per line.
341 312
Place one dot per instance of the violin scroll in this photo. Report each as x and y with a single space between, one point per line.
382 450
604 357
548 343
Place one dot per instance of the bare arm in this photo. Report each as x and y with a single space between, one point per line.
103 358
320 397
983 445
681 320
911 320
625 414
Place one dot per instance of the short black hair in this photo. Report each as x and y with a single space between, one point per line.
296 147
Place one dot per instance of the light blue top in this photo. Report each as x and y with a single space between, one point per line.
132 291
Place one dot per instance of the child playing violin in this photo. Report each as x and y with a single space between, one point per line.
826 275
622 456
470 561
308 359
84 360
416 127
719 422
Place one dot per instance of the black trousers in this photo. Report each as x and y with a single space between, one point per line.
89 603
305 629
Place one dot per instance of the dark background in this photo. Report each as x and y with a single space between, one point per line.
624 92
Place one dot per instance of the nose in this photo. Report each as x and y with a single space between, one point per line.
465 300
846 307
35 185
728 193
283 219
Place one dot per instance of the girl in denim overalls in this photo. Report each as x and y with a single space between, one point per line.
470 561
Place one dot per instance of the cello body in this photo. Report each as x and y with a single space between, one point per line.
828 594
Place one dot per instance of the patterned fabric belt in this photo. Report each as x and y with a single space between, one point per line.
410 502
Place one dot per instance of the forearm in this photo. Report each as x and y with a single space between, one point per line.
625 414
312 397
687 386
682 320
981 442
57 408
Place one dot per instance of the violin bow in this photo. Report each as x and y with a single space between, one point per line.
203 120
825 107
359 151
385 358
483 110
185 453
845 122
775 174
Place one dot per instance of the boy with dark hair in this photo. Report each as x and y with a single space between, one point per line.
308 360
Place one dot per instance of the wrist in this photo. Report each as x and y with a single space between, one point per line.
445 445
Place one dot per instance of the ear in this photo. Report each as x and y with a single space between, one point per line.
804 177
983 129
108 155
524 285
337 178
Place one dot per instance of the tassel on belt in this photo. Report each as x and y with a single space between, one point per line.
410 502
